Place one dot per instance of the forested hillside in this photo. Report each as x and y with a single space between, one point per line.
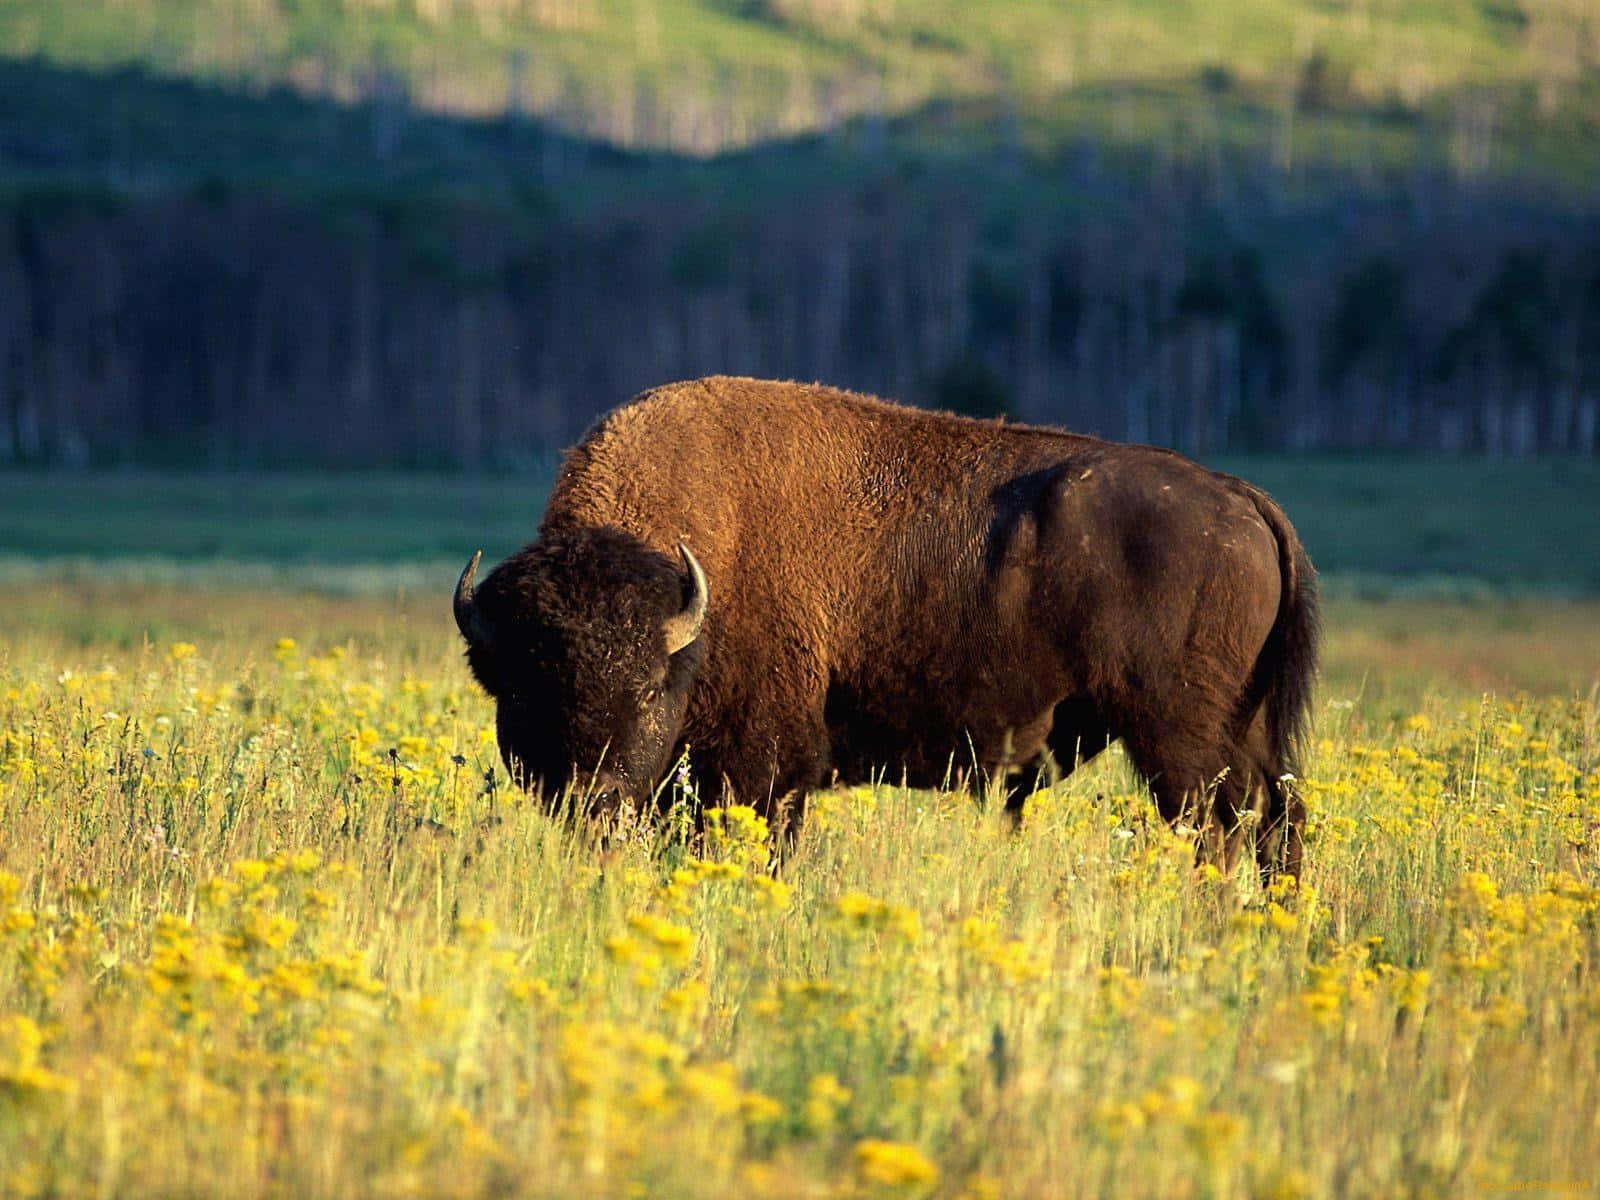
450 234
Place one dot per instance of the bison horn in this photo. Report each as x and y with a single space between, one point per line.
683 627
468 620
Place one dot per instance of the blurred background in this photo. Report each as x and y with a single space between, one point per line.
243 237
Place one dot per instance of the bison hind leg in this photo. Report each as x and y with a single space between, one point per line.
1279 814
1227 790
1279 841
1077 733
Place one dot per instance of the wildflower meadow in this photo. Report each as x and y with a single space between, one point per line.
273 923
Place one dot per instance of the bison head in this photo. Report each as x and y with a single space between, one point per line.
589 641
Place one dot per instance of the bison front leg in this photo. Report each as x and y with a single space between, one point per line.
774 763
810 763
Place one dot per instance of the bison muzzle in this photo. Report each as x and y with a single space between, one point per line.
801 585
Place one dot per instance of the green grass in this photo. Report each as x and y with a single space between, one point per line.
1441 524
266 519
1430 526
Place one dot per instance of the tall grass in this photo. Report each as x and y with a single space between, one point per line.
270 922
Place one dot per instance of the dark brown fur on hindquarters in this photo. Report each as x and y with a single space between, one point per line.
896 593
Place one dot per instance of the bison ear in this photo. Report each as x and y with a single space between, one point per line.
468 619
683 627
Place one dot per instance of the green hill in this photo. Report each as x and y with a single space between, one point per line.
1320 77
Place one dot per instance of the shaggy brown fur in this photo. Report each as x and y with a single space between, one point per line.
903 592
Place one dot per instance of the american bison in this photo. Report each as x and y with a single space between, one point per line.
801 584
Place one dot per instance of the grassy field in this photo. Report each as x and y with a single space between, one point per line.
265 929
272 923
1372 524
279 519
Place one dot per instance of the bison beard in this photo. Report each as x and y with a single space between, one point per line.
801 584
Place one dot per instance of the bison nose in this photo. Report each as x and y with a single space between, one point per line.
602 793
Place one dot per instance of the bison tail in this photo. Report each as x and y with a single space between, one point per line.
1288 664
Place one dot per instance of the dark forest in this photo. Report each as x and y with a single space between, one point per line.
193 273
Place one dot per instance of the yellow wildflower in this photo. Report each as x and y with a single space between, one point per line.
20 1072
894 1164
252 870
712 1086
675 942
825 1096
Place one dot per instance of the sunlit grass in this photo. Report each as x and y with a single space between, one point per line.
1370 86
270 922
